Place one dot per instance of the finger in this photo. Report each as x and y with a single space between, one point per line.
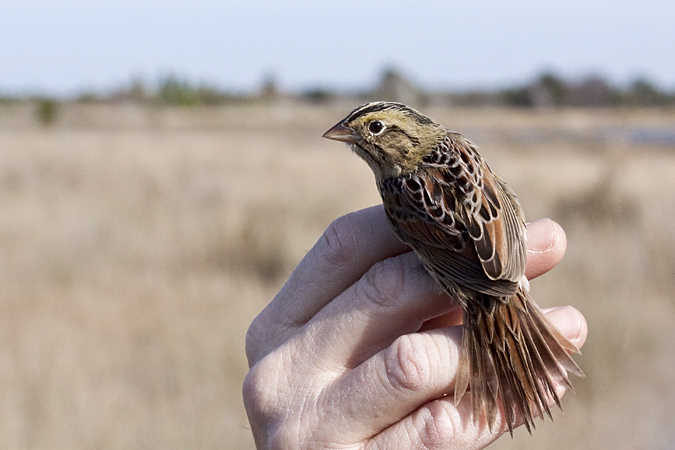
346 250
414 370
570 322
436 425
392 298
395 297
546 245
439 423
451 319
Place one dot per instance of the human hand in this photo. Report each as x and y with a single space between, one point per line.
359 349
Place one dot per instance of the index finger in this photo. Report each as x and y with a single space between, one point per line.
345 251
546 246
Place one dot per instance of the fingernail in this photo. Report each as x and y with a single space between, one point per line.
567 319
541 235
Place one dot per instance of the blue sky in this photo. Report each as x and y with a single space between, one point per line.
65 47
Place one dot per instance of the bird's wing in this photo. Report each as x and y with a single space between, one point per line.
462 220
443 246
500 238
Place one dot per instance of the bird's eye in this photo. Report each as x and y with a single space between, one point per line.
376 127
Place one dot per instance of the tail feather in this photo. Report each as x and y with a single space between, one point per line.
513 356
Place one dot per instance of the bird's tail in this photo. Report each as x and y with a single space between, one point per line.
512 354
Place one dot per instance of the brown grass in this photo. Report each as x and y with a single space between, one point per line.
137 243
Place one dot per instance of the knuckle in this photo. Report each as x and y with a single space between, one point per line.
260 393
281 415
437 426
407 364
254 393
384 282
340 241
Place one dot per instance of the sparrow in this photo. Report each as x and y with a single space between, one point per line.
468 229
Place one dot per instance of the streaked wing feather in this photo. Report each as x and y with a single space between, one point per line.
450 266
502 248
515 232
445 251
483 204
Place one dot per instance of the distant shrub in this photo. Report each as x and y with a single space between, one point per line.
644 93
318 95
519 97
176 92
46 111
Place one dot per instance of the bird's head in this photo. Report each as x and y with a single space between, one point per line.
392 138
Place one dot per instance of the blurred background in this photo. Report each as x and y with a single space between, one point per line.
162 173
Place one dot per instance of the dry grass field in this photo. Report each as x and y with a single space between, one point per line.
137 243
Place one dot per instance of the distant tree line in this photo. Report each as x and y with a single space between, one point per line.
546 91
550 90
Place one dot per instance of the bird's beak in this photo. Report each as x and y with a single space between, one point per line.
343 133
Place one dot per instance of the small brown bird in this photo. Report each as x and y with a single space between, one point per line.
468 229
